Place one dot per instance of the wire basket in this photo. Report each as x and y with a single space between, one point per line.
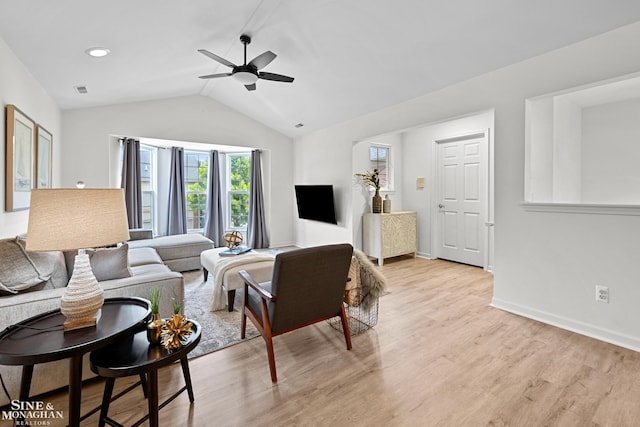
360 318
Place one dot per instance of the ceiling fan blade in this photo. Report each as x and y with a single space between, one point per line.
263 60
214 76
216 58
275 77
251 86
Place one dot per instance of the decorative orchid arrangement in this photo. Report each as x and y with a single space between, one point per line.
372 179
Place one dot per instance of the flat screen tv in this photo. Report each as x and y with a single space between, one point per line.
315 202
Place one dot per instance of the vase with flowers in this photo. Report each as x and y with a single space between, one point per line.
372 179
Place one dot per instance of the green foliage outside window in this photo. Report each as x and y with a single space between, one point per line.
197 195
239 175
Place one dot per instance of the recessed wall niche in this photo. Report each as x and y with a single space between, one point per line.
583 145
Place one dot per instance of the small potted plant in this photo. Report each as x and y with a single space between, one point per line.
154 327
177 305
372 179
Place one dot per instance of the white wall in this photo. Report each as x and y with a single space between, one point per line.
323 161
419 161
612 132
362 194
89 152
567 148
18 87
546 264
539 150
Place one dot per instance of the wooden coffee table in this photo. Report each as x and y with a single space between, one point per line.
41 339
135 356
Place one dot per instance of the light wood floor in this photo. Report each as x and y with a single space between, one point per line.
439 356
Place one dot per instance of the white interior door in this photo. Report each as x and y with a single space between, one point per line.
462 199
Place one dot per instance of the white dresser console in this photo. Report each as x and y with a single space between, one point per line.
386 235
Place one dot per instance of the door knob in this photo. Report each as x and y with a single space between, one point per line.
441 206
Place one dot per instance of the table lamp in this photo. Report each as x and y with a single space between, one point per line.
63 219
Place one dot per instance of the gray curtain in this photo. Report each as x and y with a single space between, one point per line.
177 221
257 226
214 228
131 181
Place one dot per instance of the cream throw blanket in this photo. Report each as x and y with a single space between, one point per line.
367 282
225 264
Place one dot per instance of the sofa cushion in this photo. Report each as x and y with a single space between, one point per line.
145 269
140 233
142 256
106 263
21 270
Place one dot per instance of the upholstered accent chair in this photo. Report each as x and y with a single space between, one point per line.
307 287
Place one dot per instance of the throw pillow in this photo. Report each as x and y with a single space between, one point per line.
106 263
17 272
47 263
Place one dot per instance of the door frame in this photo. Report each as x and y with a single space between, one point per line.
487 191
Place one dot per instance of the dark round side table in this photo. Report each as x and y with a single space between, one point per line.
135 356
41 339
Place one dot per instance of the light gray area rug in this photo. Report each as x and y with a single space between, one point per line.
220 328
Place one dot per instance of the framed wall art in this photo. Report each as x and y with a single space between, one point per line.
44 147
19 159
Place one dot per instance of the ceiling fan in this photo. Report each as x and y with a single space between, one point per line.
247 74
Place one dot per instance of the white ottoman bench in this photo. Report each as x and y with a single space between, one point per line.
225 271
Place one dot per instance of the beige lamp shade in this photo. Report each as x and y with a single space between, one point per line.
63 219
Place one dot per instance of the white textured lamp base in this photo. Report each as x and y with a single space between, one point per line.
83 296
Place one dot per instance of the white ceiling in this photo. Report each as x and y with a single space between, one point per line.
348 57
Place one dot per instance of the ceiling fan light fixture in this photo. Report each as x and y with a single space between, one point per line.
97 52
245 77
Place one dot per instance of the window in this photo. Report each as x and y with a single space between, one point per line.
147 184
235 182
196 169
379 159
581 145
238 180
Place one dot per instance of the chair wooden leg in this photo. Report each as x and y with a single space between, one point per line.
144 383
268 338
187 378
206 273
106 400
345 327
243 324
152 399
272 358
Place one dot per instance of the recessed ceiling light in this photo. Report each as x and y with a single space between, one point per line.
97 52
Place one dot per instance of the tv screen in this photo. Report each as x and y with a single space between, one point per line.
315 202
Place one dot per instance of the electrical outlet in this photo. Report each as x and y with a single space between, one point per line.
602 294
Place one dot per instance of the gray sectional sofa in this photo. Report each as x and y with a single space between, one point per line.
180 252
32 283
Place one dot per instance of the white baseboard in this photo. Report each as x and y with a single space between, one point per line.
611 337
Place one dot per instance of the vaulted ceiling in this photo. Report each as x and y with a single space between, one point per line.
348 57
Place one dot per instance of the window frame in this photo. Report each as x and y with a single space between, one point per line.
229 192
153 190
388 164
